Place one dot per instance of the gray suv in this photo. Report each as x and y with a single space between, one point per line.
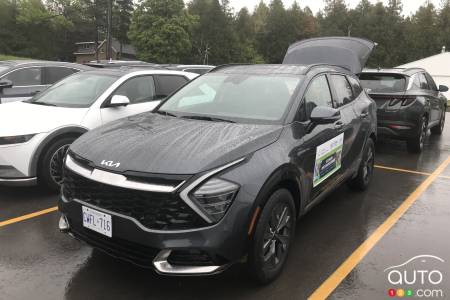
22 79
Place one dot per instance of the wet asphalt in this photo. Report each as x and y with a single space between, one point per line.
38 262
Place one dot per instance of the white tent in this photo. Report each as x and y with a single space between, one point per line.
437 65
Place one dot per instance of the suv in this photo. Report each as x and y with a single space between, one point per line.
22 79
409 104
225 166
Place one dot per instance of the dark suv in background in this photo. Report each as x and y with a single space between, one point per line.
22 79
224 167
409 104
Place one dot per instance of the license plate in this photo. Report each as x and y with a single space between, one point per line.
97 221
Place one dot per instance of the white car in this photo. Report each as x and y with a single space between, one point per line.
35 134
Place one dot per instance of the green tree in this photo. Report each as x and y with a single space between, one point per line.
122 13
160 31
335 20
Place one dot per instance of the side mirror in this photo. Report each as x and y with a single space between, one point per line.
119 100
5 83
324 115
443 88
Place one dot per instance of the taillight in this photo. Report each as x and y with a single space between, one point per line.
404 100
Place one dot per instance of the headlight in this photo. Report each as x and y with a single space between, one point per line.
215 197
18 139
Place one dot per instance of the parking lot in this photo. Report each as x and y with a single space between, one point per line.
341 249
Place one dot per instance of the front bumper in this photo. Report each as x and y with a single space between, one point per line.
201 251
15 161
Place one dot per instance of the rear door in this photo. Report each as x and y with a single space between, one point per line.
27 82
435 101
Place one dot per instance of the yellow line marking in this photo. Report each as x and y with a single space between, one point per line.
402 170
329 285
28 216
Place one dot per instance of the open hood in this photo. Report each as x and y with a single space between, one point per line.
348 52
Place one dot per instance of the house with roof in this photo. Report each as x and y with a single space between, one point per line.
437 65
87 51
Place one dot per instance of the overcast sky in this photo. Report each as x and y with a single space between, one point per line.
409 6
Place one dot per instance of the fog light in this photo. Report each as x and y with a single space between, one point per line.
63 224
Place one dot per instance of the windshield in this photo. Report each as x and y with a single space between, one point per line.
383 83
79 90
236 97
4 68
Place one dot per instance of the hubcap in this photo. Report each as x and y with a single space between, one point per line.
277 236
56 164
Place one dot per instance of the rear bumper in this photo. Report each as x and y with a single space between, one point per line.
397 129
203 251
401 123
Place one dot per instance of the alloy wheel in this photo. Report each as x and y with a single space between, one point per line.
423 133
56 164
368 165
277 236
443 121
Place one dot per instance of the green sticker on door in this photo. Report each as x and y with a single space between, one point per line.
328 159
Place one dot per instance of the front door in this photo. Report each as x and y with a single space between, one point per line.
140 91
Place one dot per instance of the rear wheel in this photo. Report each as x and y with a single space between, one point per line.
365 170
438 129
51 165
415 144
272 238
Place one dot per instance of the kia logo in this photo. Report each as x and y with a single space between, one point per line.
110 163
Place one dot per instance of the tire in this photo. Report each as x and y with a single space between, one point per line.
365 170
266 263
415 144
438 129
50 166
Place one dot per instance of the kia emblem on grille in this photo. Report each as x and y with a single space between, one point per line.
110 163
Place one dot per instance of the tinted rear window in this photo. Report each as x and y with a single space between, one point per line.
383 83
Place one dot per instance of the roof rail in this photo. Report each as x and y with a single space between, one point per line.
228 65
323 65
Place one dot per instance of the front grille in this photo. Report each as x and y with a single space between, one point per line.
159 211
135 253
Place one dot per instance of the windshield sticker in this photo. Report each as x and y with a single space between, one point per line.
328 159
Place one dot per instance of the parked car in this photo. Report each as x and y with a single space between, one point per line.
35 135
22 79
224 167
409 104
199 69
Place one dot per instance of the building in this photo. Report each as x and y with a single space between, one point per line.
437 65
86 51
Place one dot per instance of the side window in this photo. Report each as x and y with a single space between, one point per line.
54 74
318 94
138 89
169 84
25 77
415 82
431 83
344 93
357 89
423 82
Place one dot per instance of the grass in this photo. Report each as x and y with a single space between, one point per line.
10 57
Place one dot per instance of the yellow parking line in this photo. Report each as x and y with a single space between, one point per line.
402 170
329 285
28 216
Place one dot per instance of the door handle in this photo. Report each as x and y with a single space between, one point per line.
338 125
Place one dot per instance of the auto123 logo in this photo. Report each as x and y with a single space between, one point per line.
418 277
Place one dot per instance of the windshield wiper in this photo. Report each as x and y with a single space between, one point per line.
206 118
42 103
165 113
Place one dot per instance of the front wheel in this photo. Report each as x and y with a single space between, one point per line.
365 170
272 238
50 173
